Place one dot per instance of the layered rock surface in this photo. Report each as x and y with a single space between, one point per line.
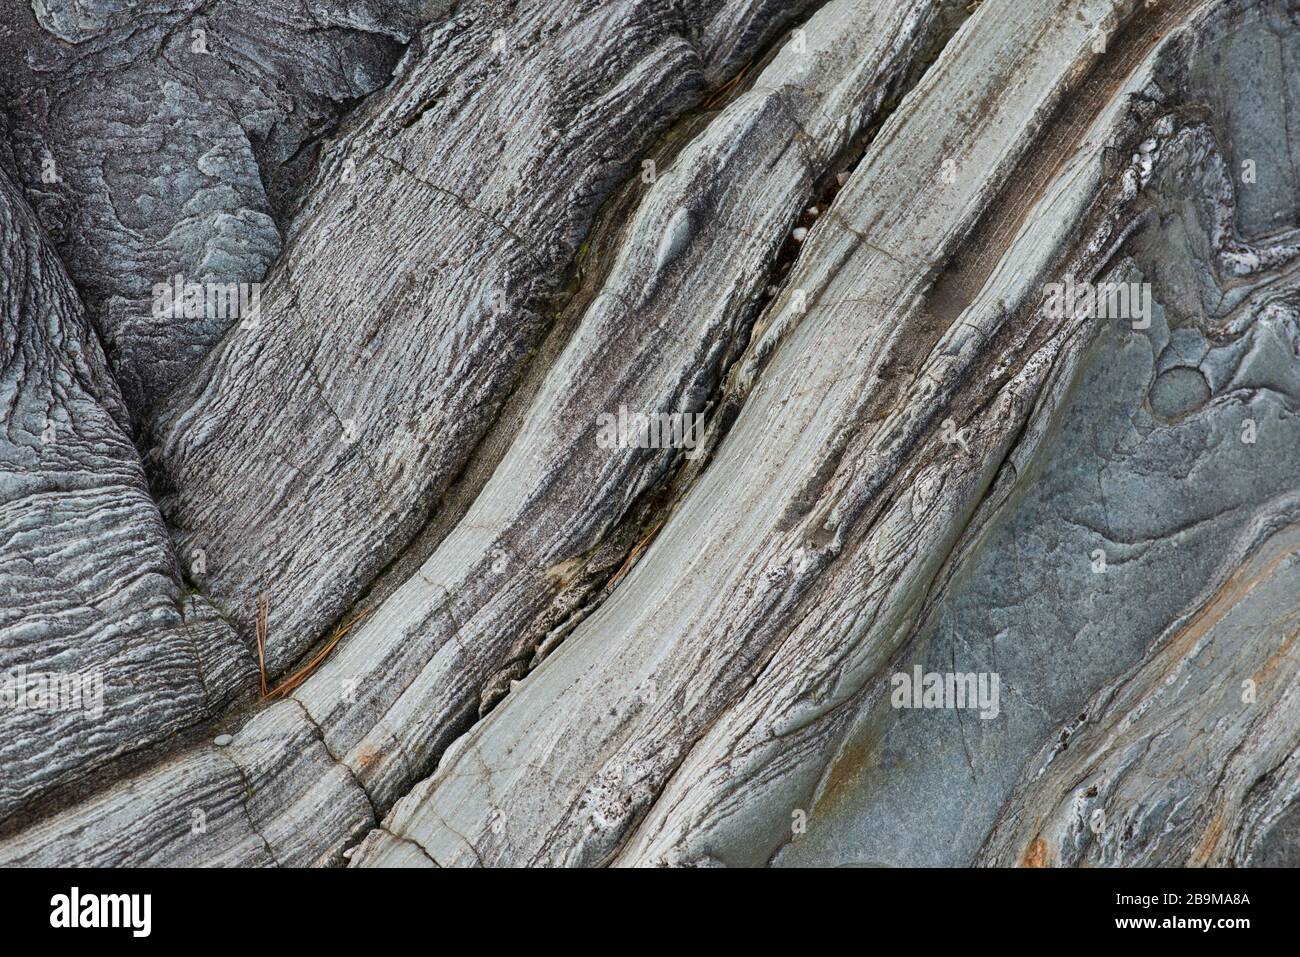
842 255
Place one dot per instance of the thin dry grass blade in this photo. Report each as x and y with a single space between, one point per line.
301 675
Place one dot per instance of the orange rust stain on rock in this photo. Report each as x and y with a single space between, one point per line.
1209 842
1237 587
1035 854
853 761
1267 669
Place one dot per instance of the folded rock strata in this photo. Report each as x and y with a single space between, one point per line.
306 452
1164 460
579 653
156 789
1192 757
90 593
840 435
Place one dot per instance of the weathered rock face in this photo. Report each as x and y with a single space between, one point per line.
102 652
158 138
971 534
418 278
1169 460
1189 757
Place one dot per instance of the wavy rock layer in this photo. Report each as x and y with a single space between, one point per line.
836 244
102 651
419 276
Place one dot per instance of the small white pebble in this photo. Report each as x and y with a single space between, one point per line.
813 211
773 290
799 235
842 178
348 853
676 235
222 740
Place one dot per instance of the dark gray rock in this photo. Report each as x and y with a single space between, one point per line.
163 137
102 651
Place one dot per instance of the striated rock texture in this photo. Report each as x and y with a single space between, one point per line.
102 651
738 433
1168 459
419 276
157 138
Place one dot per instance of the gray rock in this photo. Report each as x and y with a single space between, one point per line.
102 651
168 137
306 453
1171 455
846 254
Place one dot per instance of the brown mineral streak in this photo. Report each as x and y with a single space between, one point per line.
1237 587
1209 845
1035 854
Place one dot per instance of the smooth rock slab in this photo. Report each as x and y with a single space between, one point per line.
1173 452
